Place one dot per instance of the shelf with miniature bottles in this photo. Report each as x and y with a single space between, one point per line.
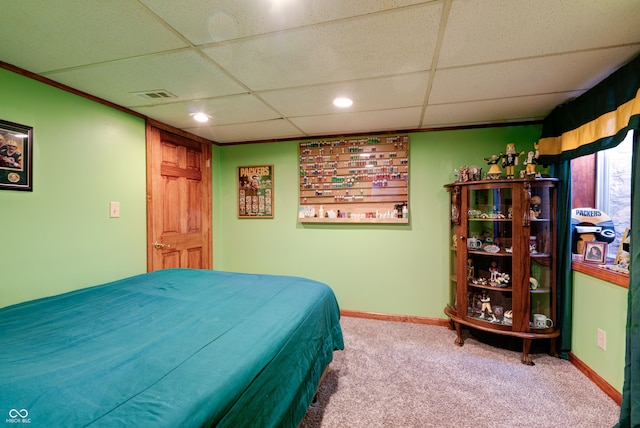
355 180
503 231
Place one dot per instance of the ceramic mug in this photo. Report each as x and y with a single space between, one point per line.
541 321
474 244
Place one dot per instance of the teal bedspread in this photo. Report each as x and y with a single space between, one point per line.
172 348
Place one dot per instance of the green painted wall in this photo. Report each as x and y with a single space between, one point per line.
600 305
60 237
393 269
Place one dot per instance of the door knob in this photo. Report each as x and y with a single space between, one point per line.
160 245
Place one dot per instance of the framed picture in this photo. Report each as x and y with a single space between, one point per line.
15 156
595 252
255 191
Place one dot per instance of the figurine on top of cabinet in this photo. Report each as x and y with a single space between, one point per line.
468 173
475 173
456 175
494 172
510 160
530 163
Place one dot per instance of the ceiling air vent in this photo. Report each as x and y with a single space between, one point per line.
154 95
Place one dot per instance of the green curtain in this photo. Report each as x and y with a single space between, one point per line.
630 409
564 287
597 120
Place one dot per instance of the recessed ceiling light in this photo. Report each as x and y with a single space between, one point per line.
201 117
342 102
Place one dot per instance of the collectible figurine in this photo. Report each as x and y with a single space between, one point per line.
494 170
535 206
494 273
503 280
531 162
475 172
533 283
464 174
510 160
508 316
486 307
469 173
470 270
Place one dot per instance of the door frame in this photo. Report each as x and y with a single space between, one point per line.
153 131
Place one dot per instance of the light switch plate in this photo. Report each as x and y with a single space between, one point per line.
114 209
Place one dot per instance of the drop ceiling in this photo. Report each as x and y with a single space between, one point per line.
269 69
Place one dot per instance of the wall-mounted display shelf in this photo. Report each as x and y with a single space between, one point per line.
355 180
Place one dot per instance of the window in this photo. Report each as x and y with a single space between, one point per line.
603 181
613 187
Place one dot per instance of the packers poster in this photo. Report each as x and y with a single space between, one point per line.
255 191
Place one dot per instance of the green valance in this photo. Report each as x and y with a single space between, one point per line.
597 120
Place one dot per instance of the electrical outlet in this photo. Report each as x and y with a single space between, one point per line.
602 339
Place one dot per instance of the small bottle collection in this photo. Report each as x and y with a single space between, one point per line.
354 180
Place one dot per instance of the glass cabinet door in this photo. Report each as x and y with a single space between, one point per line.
541 252
489 255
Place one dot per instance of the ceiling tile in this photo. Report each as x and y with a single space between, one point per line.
371 94
185 74
204 21
376 46
271 129
405 118
533 107
225 110
542 75
72 33
480 31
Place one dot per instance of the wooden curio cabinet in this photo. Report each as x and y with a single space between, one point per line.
503 261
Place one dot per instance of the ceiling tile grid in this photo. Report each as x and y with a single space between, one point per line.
269 69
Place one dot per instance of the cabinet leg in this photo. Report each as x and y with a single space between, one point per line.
459 340
526 347
552 348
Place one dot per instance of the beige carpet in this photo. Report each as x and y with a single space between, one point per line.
410 375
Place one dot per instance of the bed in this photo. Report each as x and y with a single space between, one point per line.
171 348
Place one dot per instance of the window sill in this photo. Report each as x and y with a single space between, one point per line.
596 271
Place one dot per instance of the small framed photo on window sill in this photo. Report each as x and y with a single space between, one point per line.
595 252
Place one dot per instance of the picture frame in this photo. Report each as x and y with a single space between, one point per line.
16 165
624 248
255 191
595 252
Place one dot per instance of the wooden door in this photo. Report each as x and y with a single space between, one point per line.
178 201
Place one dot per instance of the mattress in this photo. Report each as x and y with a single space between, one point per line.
174 348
